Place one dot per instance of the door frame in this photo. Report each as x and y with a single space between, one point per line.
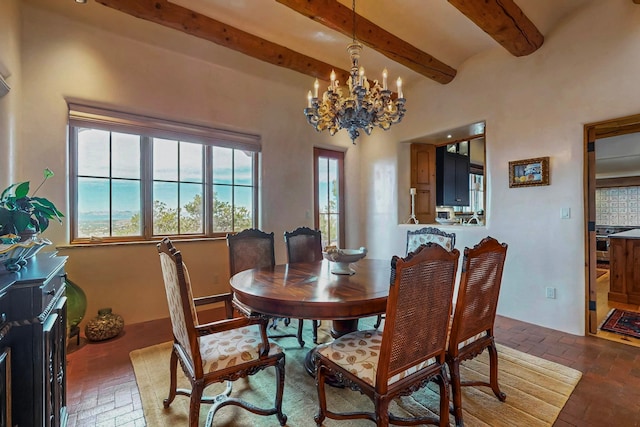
593 132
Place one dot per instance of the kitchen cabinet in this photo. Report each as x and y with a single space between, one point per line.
36 310
624 265
452 178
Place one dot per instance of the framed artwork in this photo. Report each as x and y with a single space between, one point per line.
529 172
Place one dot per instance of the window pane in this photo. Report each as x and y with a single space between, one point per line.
126 219
93 152
243 208
222 208
93 207
191 208
165 159
222 165
165 208
243 166
333 186
323 184
125 151
191 156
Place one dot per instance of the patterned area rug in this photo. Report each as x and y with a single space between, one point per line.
623 322
600 272
536 390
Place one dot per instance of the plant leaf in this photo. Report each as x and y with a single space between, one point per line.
22 190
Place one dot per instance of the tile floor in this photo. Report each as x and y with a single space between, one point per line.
102 389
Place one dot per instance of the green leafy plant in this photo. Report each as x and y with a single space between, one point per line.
20 212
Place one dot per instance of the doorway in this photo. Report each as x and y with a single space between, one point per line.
598 136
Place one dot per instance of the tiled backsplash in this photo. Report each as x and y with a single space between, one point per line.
618 206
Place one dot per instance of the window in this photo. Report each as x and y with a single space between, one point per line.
136 178
329 196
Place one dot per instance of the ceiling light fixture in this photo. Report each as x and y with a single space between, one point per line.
361 107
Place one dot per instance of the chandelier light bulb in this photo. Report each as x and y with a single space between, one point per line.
316 85
384 79
399 84
309 99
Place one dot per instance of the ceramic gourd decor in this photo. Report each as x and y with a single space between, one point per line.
104 326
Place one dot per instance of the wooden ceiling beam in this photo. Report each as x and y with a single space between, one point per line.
505 22
182 19
340 18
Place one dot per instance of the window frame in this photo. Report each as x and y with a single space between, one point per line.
147 128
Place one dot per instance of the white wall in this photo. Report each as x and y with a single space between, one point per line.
10 70
534 106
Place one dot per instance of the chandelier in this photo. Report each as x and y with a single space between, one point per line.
362 106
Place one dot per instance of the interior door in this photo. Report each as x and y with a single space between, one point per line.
423 179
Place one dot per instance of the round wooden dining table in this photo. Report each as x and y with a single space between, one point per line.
311 291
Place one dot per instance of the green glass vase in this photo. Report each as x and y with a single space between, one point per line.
76 306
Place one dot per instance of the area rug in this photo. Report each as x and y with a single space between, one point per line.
600 272
536 390
623 322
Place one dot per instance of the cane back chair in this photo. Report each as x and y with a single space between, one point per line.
215 352
415 238
304 245
409 352
474 317
253 248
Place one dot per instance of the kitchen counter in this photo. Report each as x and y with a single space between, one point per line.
629 234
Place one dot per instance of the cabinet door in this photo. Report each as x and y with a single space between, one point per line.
5 388
54 355
452 178
423 178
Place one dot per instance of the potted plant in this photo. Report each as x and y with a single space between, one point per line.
22 214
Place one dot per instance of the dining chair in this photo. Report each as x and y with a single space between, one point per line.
474 317
415 238
304 245
253 248
408 353
214 352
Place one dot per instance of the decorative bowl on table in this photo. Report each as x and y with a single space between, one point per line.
14 253
341 258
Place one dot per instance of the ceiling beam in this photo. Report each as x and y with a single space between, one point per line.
196 24
340 18
505 22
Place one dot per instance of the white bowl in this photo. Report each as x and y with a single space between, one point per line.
341 258
13 256
447 221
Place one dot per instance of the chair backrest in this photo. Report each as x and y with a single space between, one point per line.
303 245
251 248
477 302
180 299
418 310
415 238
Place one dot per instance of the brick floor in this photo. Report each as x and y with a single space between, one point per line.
101 387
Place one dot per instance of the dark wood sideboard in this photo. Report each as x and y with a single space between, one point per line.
33 306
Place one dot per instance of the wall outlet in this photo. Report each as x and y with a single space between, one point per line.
550 292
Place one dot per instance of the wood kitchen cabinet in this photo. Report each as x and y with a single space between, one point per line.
624 264
36 310
452 180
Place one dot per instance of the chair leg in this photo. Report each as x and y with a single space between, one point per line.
173 366
299 334
282 418
378 321
456 392
322 401
194 404
382 411
315 331
444 398
493 372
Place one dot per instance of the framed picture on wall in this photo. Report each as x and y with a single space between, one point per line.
529 172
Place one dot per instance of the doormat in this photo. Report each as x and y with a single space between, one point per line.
623 322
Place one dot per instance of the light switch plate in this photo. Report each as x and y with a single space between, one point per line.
565 213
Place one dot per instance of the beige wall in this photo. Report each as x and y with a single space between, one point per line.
533 106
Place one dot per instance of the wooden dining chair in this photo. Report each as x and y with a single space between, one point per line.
253 248
411 349
424 235
474 317
304 245
214 352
